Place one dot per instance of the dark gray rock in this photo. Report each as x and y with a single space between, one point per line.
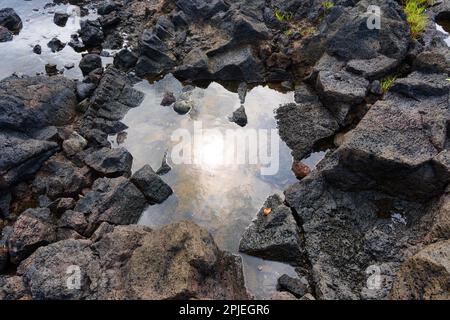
76 44
33 228
31 103
59 177
56 45
10 20
60 19
73 220
91 33
239 117
201 9
183 106
5 202
303 125
116 201
295 286
5 34
106 7
274 235
168 99
125 60
110 162
90 62
85 90
374 68
37 49
151 185
21 158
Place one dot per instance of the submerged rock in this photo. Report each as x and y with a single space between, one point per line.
274 235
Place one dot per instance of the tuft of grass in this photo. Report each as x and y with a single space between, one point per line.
327 5
308 31
283 16
416 16
387 83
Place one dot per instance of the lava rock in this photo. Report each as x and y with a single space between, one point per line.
274 235
116 201
151 185
168 99
183 106
85 90
239 117
91 33
73 220
37 49
199 267
106 7
426 275
89 63
110 162
21 157
60 19
125 60
74 144
302 125
59 177
76 44
51 69
298 287
32 229
56 45
5 34
10 20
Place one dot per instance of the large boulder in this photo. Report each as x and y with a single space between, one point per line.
90 62
29 103
179 261
426 275
274 234
399 147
